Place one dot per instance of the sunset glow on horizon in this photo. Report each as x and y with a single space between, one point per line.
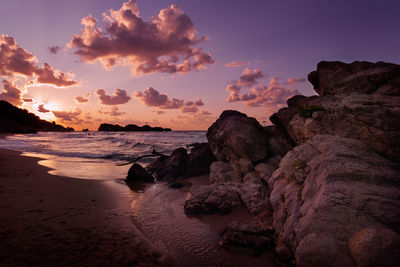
178 64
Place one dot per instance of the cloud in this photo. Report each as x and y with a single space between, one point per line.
165 43
47 75
292 81
272 96
14 60
159 112
82 99
119 97
42 109
27 100
114 111
54 49
236 64
249 78
69 116
11 93
152 98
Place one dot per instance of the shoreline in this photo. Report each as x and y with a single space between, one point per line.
53 220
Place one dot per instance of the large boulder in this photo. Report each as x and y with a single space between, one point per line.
373 119
138 174
199 160
223 172
171 167
247 235
234 135
213 199
325 191
336 77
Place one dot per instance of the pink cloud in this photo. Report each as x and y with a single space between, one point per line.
152 98
159 112
16 60
165 43
249 78
82 99
69 116
236 64
11 93
114 111
119 97
292 81
272 96
42 109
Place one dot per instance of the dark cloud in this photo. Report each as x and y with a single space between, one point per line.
249 78
152 98
273 95
165 43
42 109
159 112
119 97
11 93
54 49
69 116
236 64
16 60
27 100
82 99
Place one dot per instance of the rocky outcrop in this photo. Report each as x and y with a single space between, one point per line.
171 167
325 191
247 235
199 160
138 174
333 78
213 199
106 127
16 120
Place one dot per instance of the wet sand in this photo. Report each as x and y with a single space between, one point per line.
48 220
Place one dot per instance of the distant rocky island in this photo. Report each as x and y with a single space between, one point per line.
16 120
322 184
106 127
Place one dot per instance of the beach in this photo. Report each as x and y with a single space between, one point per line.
48 220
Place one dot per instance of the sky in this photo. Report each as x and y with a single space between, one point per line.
179 64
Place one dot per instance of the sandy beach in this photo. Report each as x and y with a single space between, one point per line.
48 220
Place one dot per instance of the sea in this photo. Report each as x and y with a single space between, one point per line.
156 210
97 155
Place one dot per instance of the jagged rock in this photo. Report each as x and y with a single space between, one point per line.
375 247
171 167
252 178
373 119
264 170
332 78
199 160
255 198
246 235
223 172
234 135
213 199
138 173
325 191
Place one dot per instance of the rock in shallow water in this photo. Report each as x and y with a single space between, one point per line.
255 236
139 174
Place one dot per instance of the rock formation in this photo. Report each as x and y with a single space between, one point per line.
106 127
327 172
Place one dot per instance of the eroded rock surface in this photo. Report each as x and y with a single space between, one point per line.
328 189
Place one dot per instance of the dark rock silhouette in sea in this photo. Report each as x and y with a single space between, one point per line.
137 173
326 174
106 127
16 120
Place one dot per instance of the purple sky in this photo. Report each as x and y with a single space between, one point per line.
278 39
